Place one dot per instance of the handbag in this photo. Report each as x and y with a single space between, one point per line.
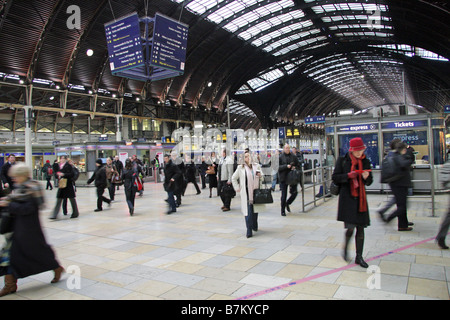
228 191
262 196
334 188
294 177
211 170
62 183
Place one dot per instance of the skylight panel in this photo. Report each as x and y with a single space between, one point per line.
201 6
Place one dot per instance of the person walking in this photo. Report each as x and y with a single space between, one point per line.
245 180
190 175
66 189
111 175
225 174
99 176
171 175
119 166
353 173
400 186
5 175
47 170
128 177
287 162
29 253
445 224
202 172
212 173
55 167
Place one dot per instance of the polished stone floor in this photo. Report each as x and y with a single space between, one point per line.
201 253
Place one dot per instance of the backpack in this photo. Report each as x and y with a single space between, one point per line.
50 171
390 171
76 173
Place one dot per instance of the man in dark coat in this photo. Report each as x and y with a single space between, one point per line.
288 162
65 172
99 176
191 171
4 175
171 176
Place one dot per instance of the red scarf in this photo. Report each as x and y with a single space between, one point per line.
357 187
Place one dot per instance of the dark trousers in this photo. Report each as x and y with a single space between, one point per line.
195 185
130 195
203 179
101 198
445 224
171 201
293 194
73 203
226 200
49 184
401 195
112 190
251 220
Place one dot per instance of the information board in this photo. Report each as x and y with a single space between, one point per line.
123 39
315 119
169 44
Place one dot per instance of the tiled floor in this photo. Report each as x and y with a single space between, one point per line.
202 253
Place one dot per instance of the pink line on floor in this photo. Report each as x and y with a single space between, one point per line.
326 273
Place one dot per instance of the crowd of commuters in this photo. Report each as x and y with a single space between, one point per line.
26 251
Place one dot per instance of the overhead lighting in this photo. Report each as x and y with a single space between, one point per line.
209 84
89 52
345 112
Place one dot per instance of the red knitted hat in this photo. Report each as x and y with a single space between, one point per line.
356 144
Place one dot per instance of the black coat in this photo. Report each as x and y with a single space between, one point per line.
348 205
99 176
30 254
172 171
128 178
5 176
403 163
285 160
69 191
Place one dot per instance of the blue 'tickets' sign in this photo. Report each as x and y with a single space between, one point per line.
404 124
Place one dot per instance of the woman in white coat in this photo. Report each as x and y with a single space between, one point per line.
246 178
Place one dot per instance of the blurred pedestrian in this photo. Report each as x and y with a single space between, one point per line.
225 172
445 224
129 178
99 176
47 171
66 188
353 173
171 175
29 253
401 185
287 163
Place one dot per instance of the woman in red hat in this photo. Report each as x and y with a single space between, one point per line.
352 173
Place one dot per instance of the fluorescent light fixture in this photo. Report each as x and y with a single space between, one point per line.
345 112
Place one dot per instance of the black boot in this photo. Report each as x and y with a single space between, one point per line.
359 238
359 260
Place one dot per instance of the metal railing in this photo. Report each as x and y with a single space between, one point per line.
322 181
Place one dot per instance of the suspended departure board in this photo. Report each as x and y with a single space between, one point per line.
169 44
124 43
